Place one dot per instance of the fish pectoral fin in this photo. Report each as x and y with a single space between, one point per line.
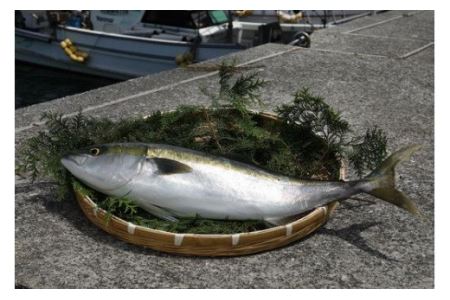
169 166
160 212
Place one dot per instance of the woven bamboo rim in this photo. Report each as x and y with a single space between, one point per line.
207 244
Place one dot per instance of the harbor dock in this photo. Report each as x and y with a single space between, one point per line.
375 70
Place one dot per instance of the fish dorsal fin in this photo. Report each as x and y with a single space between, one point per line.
169 166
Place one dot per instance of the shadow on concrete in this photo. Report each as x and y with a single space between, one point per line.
352 235
356 202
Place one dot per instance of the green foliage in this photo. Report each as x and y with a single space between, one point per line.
41 155
370 152
306 141
240 94
320 124
312 113
316 130
199 225
121 207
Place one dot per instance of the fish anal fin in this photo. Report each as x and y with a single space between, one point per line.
169 166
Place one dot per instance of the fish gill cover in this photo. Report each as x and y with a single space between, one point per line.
307 140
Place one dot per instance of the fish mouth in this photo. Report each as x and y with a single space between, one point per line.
70 160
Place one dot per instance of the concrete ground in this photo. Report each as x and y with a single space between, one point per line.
375 70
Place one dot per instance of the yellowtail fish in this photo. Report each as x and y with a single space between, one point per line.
171 182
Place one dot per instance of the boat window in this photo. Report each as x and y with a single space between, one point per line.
185 18
201 18
178 18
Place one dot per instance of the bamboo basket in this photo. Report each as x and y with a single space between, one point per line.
208 244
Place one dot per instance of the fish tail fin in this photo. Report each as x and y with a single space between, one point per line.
382 180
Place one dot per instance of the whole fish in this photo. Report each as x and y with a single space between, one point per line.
171 182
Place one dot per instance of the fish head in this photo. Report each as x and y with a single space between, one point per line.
106 168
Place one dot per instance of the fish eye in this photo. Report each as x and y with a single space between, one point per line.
94 151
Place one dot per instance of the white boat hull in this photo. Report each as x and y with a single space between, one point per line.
110 55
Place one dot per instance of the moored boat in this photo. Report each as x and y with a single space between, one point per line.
122 45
